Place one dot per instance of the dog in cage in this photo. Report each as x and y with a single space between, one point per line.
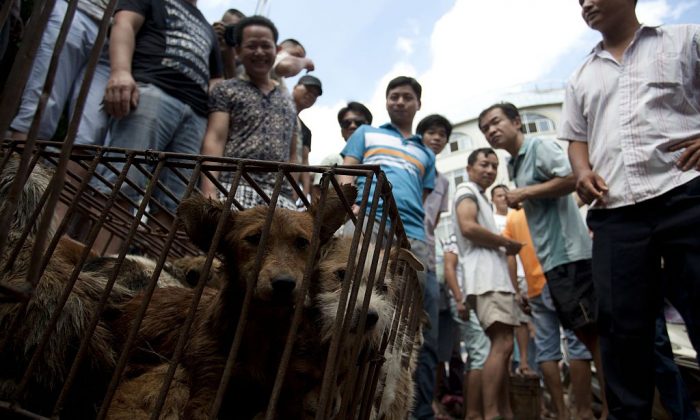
24 326
317 329
134 273
274 294
188 270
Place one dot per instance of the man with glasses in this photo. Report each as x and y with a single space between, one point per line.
350 118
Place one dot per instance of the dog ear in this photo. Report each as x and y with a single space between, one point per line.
407 256
334 212
199 217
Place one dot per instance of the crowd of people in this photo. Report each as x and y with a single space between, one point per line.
521 267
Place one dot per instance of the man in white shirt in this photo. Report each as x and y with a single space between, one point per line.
487 281
631 114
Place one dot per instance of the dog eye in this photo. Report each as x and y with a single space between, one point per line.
340 274
301 243
253 239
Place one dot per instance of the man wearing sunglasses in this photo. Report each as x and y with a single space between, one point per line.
350 118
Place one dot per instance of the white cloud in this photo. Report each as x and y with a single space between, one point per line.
405 46
480 51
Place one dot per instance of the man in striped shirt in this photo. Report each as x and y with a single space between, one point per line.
410 168
632 116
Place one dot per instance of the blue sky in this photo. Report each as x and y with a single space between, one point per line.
465 53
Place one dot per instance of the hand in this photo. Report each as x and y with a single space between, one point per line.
512 247
590 186
524 303
220 29
515 198
462 310
209 190
121 94
309 65
355 210
691 155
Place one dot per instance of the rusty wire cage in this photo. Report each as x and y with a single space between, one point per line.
63 209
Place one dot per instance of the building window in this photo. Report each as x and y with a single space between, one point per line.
460 141
536 123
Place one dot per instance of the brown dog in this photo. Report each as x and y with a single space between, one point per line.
53 365
275 288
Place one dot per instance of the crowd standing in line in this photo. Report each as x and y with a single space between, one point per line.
168 80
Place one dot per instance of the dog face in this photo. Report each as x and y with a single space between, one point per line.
331 274
287 248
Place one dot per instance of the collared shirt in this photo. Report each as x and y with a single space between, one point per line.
409 167
261 125
557 228
631 112
484 269
435 203
517 230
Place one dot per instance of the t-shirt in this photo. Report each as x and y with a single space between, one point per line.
408 164
484 269
435 203
517 230
176 50
557 229
305 135
261 126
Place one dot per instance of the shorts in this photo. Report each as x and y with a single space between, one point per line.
548 341
573 293
492 307
476 342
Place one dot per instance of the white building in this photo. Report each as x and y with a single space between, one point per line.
540 110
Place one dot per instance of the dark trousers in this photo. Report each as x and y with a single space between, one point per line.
629 244
669 382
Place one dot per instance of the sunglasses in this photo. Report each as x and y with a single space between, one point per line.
347 123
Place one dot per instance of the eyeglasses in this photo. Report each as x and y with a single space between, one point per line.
347 123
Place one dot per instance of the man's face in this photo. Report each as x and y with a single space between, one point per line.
499 200
402 105
350 122
304 96
483 171
435 138
499 130
257 50
606 15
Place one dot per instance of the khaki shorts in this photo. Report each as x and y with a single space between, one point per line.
494 307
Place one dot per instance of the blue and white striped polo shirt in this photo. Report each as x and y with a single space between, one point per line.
408 164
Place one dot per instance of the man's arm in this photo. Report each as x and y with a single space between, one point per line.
555 187
290 66
122 94
589 185
305 176
451 261
469 227
213 145
348 179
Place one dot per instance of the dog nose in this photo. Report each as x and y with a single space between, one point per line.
372 318
283 285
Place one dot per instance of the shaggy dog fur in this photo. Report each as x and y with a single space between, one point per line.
135 272
17 349
215 323
188 270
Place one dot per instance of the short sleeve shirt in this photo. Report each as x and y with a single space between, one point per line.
176 50
409 167
557 228
435 203
261 125
484 269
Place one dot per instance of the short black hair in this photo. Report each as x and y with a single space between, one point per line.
510 111
294 43
505 187
405 80
355 107
254 20
234 12
487 151
434 120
